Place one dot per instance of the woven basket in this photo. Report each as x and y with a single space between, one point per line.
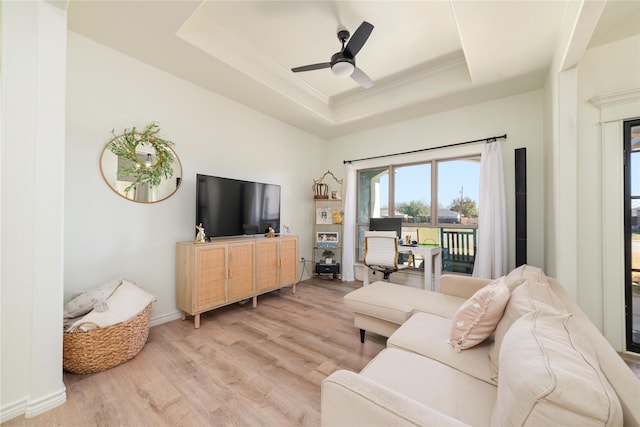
103 348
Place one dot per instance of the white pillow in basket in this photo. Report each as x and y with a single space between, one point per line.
126 303
83 303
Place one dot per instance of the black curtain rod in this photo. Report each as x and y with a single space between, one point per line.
491 139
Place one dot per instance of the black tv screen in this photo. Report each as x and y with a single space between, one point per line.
231 207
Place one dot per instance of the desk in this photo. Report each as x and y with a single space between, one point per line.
432 256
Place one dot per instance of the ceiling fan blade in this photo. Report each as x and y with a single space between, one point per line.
361 78
358 39
311 67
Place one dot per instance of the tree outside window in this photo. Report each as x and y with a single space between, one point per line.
410 190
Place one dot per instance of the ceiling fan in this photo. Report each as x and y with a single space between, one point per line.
343 63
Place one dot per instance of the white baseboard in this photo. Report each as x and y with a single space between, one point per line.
164 318
33 408
36 407
43 404
13 410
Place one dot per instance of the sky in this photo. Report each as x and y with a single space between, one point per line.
414 182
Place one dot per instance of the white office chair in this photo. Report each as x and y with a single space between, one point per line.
381 253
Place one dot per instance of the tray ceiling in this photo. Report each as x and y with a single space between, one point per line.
424 56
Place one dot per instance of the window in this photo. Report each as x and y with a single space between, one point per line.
458 188
412 193
410 190
632 232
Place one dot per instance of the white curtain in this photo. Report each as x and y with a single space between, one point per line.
491 256
349 225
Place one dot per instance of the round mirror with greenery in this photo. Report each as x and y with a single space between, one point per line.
140 165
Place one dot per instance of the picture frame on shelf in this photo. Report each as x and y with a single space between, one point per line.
323 216
327 239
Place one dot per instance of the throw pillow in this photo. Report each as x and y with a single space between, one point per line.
523 273
83 303
550 376
527 297
477 317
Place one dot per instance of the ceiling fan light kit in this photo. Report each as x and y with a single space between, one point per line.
343 63
343 69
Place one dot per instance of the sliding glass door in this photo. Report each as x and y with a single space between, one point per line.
632 232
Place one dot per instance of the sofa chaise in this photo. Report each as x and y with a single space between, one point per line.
515 351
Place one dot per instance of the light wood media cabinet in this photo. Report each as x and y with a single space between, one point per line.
215 274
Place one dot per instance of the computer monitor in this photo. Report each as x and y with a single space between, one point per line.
386 224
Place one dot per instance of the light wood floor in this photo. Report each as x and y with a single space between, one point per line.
243 367
633 361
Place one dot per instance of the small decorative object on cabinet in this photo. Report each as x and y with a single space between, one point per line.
327 230
201 237
271 232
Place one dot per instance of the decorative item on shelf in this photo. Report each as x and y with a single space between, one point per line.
324 216
328 256
320 191
200 237
271 232
337 216
327 239
321 188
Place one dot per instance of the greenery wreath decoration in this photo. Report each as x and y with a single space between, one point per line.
125 146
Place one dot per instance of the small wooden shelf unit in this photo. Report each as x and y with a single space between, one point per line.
215 274
328 211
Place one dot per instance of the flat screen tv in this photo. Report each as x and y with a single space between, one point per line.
231 207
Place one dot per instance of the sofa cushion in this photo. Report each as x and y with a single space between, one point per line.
525 273
396 303
350 399
527 297
477 318
549 376
621 378
440 387
428 336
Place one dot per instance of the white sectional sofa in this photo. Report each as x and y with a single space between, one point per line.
543 363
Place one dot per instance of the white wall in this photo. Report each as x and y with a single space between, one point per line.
107 236
604 70
520 117
595 213
32 185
